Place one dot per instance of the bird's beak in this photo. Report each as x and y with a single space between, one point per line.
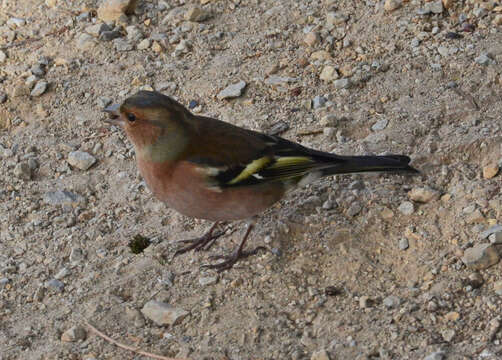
113 114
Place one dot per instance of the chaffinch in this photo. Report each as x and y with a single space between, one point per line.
209 169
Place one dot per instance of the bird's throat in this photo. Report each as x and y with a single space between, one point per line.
165 148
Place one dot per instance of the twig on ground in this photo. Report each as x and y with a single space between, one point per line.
307 133
35 39
126 347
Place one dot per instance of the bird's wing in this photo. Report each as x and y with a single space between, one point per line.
243 157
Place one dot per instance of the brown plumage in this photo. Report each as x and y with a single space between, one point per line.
210 169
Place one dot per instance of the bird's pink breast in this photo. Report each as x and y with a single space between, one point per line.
186 190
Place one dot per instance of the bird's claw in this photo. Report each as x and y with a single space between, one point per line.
203 243
231 260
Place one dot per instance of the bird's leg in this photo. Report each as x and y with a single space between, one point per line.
239 253
202 243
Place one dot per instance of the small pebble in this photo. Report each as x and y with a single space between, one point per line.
391 5
380 125
162 313
193 104
406 208
318 102
480 256
40 88
423 194
232 91
438 355
391 302
73 334
208 280
490 171
403 244
55 285
81 160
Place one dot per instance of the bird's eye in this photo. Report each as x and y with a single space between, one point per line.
131 117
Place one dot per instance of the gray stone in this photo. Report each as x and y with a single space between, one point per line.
318 102
40 88
162 313
433 7
443 51
279 80
232 91
109 35
496 238
196 14
406 208
75 333
391 302
492 230
122 45
438 355
354 209
104 101
76 255
81 160
22 171
415 42
31 81
423 194
342 83
3 97
483 59
208 280
380 125
38 69
14 22
3 57
480 256
63 198
97 29
328 73
55 285
391 5
134 34
448 334
112 10
144 44
404 244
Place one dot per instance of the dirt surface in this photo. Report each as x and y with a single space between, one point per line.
359 267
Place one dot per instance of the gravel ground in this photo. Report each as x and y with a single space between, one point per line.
360 267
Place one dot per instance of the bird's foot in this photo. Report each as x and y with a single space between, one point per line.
202 243
230 260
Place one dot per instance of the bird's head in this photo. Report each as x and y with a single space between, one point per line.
155 123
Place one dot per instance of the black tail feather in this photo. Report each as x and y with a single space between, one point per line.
360 164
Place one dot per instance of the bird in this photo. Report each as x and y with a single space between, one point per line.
209 169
